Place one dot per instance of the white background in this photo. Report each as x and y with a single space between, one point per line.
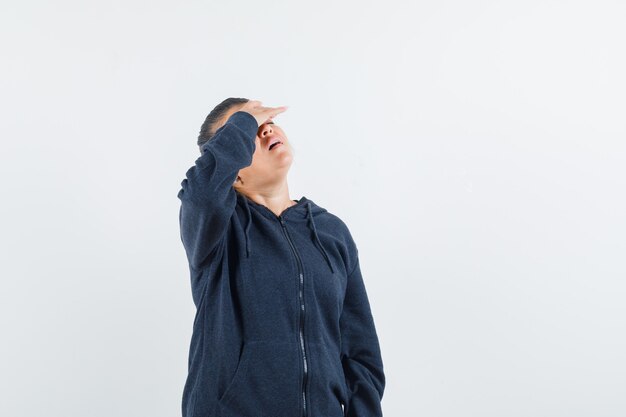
475 149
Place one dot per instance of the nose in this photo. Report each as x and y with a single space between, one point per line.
266 129
265 132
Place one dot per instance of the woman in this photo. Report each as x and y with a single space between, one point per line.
283 326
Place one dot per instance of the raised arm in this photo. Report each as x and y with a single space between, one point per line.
207 195
360 351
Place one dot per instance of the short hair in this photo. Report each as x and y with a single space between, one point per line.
207 130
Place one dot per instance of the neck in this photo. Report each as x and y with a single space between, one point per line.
276 198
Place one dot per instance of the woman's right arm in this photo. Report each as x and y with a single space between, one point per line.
207 195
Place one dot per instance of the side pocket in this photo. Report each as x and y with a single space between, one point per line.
239 371
342 383
268 380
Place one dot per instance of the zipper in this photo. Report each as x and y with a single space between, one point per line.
301 299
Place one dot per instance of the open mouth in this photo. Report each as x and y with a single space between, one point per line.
275 144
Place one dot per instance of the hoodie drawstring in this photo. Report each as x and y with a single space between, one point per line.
312 224
247 233
321 247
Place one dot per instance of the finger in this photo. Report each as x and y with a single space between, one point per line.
269 118
274 111
266 108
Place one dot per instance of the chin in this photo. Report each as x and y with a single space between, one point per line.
285 159
281 168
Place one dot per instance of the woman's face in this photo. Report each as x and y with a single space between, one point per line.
269 166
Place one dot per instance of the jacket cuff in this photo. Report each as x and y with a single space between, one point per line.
244 121
240 120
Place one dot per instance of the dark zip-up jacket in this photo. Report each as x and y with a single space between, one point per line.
283 326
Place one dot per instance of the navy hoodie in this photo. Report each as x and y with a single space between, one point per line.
283 326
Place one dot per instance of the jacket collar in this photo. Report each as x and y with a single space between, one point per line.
303 209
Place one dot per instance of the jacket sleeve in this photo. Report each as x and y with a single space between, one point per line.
207 196
360 351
